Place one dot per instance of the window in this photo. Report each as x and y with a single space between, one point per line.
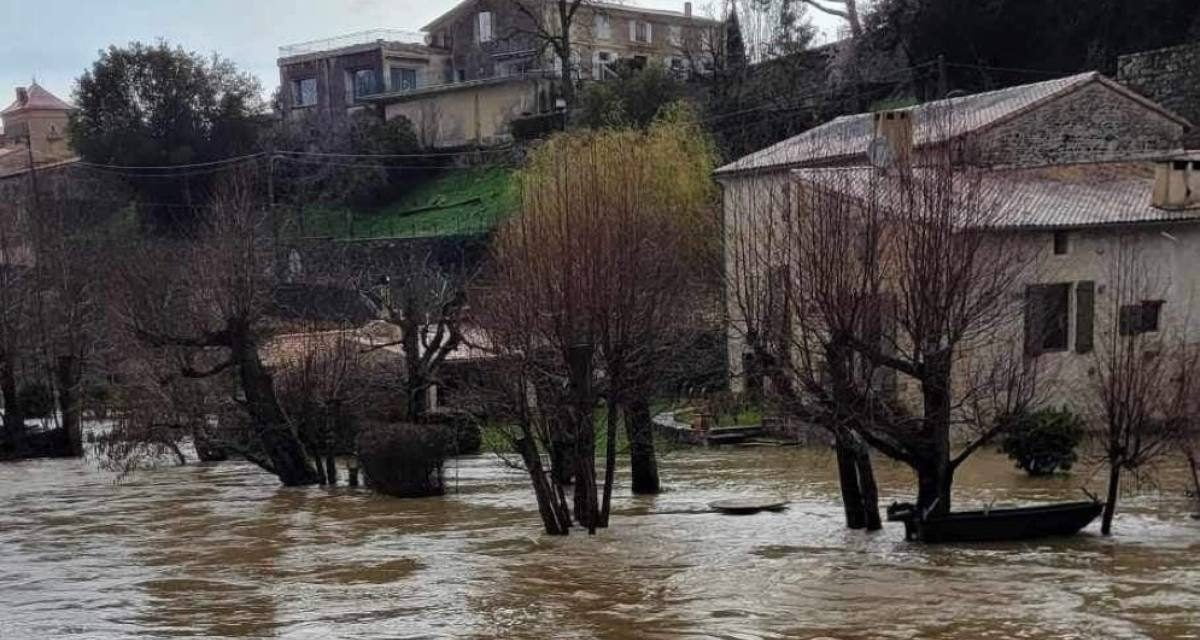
1062 243
640 31
676 35
675 65
603 28
304 92
1047 309
600 64
460 75
403 79
1140 318
483 26
365 82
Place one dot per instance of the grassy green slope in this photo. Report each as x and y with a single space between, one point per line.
479 199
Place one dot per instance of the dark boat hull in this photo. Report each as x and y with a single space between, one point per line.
995 525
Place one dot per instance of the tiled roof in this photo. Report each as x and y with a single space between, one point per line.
38 98
1051 197
847 137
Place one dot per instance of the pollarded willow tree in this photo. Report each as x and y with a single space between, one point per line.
197 308
591 287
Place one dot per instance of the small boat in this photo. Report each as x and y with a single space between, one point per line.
992 525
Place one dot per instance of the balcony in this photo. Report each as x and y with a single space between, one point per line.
371 36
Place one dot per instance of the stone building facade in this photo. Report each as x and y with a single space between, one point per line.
1092 123
1170 77
1080 165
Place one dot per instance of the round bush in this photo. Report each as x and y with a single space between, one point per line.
1044 441
403 459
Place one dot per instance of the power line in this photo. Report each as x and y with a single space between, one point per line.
173 167
325 163
394 155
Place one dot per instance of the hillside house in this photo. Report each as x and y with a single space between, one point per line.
34 125
1079 164
481 65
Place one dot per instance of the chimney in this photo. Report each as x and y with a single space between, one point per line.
687 9
22 96
896 128
1177 184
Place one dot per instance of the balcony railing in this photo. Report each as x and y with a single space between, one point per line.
350 40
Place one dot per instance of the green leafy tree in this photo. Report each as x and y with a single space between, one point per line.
631 97
158 105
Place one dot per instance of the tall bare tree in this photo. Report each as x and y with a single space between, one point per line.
587 293
1146 374
202 302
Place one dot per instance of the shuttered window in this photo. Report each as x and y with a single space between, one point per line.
1085 316
1047 321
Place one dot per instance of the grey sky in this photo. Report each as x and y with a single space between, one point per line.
55 40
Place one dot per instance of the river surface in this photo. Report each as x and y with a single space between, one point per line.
222 551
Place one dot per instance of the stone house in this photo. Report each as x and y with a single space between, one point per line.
1079 165
1171 77
481 65
34 124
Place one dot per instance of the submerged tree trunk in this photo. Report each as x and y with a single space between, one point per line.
935 474
550 501
870 491
643 464
860 495
280 443
610 461
852 497
1110 505
67 376
14 416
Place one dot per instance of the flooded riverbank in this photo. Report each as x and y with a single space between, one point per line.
223 551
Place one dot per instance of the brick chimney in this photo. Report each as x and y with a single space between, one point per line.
896 128
1177 184
22 96
687 9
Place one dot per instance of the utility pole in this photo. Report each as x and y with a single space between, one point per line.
943 83
33 183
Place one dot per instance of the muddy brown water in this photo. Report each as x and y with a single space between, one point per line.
222 551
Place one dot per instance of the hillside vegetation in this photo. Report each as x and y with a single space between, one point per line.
459 201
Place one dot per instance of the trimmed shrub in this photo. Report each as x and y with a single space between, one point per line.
403 459
1044 441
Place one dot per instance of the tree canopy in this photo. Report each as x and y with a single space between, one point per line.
157 105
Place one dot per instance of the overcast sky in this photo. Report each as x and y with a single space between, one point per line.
55 40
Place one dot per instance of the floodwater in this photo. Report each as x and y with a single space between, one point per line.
222 551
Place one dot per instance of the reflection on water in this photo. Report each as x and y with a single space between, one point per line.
223 551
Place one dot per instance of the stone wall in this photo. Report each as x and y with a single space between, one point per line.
1170 77
1093 123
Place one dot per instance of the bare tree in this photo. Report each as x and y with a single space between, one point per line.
203 303
550 24
15 301
1146 375
589 289
426 301
847 10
